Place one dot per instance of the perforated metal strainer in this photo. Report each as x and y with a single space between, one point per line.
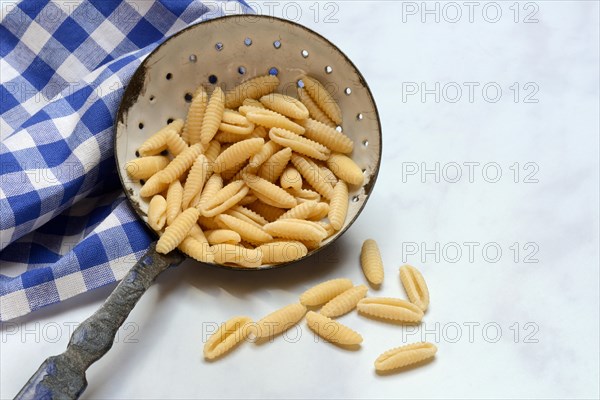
223 51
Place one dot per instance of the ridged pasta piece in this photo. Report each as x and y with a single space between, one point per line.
323 99
282 251
389 308
249 232
415 286
253 103
145 167
346 169
320 211
254 88
193 123
229 335
313 176
403 356
157 212
328 175
265 189
249 199
312 244
301 211
212 151
267 211
235 123
328 228
174 198
338 207
264 154
241 216
296 229
237 255
175 143
236 172
177 231
290 178
222 236
153 186
195 180
285 105
212 186
370 260
271 119
304 195
331 330
197 233
180 164
226 137
212 116
157 143
299 144
325 291
274 166
208 223
224 199
237 154
197 250
327 136
313 109
251 215
344 302
279 321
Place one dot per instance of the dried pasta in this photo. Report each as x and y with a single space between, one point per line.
254 88
193 123
299 144
224 199
338 208
265 189
247 231
145 167
237 255
279 321
212 116
235 123
157 212
403 356
272 169
389 308
195 180
229 335
282 251
346 169
313 109
212 186
291 178
175 143
370 260
153 186
237 154
199 251
319 212
251 215
313 176
271 119
331 330
301 211
268 212
323 99
177 231
285 105
327 136
344 302
212 151
415 286
180 164
174 199
221 236
266 152
252 103
157 143
325 291
296 229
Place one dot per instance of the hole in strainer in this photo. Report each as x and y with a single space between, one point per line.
339 128
274 71
213 79
137 153
300 83
364 170
188 97
193 58
248 41
152 98
142 181
170 120
169 76
141 125
328 69
277 44
365 143
359 117
355 199
219 46
348 91
242 70
304 53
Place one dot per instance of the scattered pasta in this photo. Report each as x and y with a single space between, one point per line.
157 210
177 231
145 167
325 291
229 335
344 302
279 321
331 330
370 260
403 356
415 286
391 309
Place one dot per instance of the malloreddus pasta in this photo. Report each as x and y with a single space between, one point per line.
250 177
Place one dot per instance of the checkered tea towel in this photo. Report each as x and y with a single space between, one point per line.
65 225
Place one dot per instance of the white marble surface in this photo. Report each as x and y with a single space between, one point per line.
159 354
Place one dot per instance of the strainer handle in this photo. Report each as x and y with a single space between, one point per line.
63 376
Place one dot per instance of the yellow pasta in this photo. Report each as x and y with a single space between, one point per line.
221 236
271 119
197 234
212 151
370 260
158 142
325 291
199 251
177 231
313 109
208 223
212 116
235 173
268 212
193 124
235 123
264 154
145 167
248 199
153 186
313 176
301 211
296 229
175 143
327 136
174 198
299 144
323 99
320 211
248 232
157 212
212 186
285 105
264 189
251 215
252 89
224 199
415 286
237 154
227 137
291 178
403 356
328 228
346 169
195 180
253 103
328 175
282 251
331 330
279 321
229 335
180 164
389 308
344 302
304 195
237 255
274 166
338 208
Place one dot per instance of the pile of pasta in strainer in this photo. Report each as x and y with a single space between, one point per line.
251 177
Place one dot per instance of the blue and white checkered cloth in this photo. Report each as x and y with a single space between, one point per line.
65 225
